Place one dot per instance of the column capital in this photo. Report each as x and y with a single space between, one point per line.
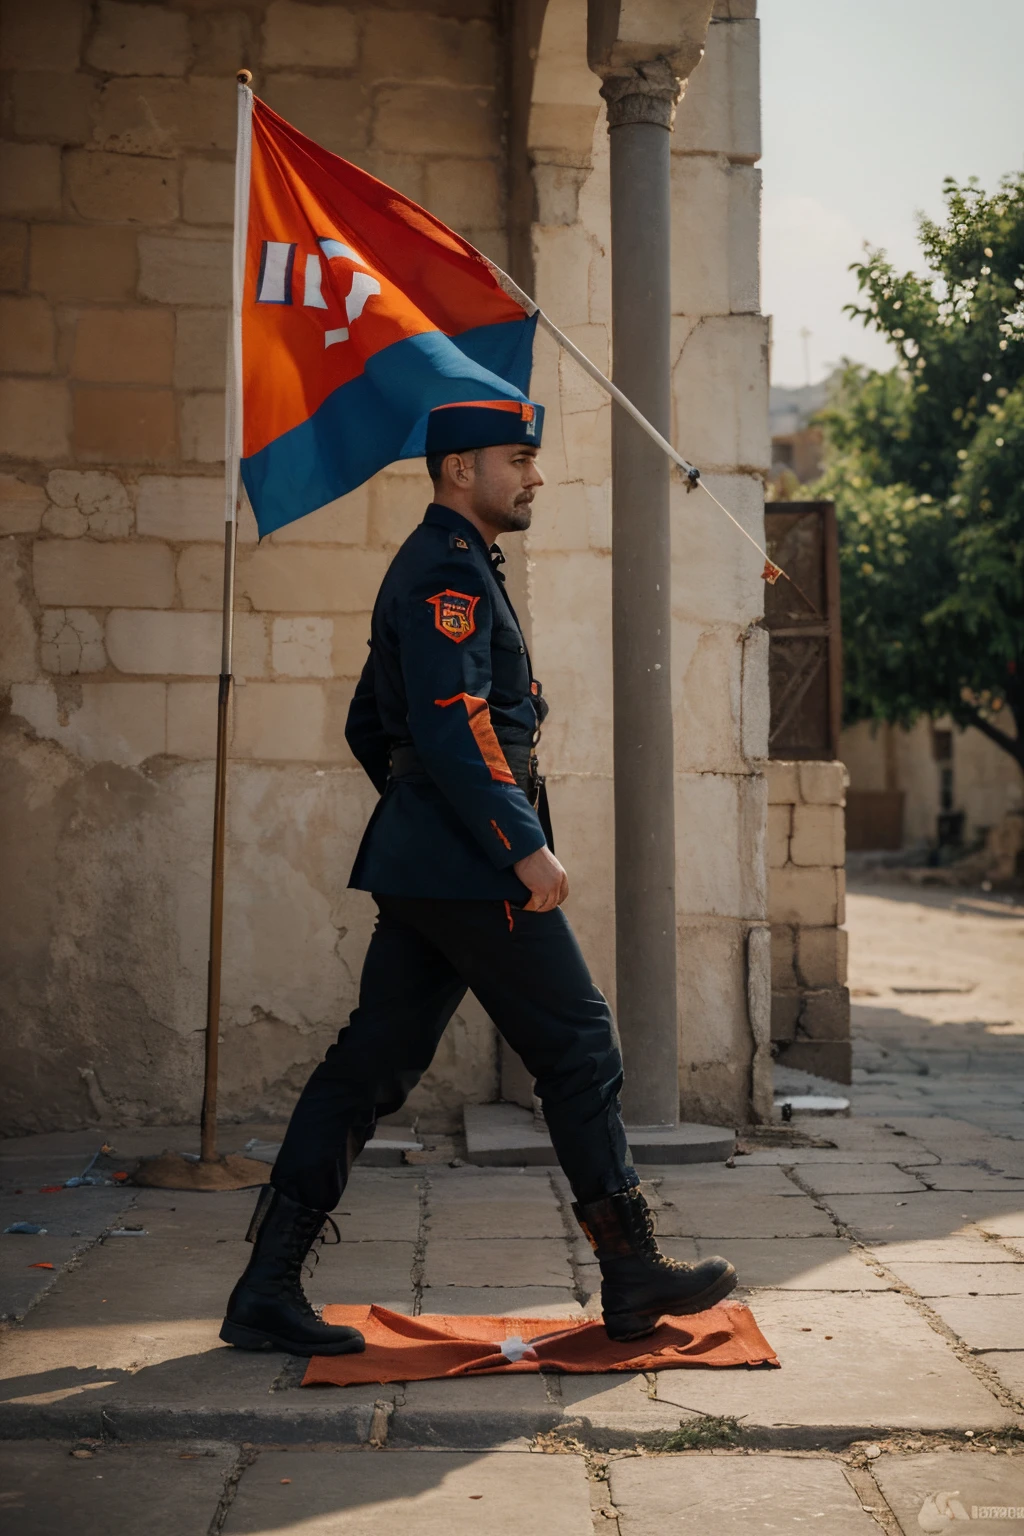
644 93
644 51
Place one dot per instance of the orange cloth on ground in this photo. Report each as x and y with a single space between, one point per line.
400 1348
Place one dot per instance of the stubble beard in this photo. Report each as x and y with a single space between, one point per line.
516 518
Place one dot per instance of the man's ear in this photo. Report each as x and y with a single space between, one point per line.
459 468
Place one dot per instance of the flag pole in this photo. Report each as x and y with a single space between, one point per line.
232 454
175 1170
771 571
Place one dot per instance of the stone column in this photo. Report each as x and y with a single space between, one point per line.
641 105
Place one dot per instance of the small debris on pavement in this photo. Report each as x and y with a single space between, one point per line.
25 1229
82 1455
51 1189
871 1451
42 1264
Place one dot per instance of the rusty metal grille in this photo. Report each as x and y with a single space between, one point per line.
805 678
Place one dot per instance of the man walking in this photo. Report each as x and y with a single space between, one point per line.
458 856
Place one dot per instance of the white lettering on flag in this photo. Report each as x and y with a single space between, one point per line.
274 284
313 299
330 337
332 248
363 288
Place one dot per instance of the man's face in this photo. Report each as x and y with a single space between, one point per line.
503 481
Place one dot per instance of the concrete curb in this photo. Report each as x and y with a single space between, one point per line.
351 1423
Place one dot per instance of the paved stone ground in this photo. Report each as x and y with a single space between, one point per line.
882 1255
937 986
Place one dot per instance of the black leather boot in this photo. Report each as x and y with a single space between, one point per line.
268 1308
638 1283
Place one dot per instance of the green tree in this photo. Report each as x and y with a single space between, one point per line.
925 463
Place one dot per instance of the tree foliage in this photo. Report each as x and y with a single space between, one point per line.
925 463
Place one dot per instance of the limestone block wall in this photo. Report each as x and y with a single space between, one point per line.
806 906
720 397
115 194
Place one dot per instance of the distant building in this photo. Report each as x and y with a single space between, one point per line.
796 445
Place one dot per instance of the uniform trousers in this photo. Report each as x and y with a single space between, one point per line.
528 972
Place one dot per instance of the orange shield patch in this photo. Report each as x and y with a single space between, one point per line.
453 614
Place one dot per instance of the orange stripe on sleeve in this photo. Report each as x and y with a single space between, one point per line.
483 734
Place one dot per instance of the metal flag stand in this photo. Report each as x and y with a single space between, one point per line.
178 1170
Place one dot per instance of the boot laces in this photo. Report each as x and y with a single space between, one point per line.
648 1239
321 1241
301 1248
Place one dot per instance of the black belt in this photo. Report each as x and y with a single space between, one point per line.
522 761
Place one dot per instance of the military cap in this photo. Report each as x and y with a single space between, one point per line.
483 424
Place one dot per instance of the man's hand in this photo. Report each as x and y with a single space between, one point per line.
544 878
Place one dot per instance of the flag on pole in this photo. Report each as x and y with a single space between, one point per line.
360 312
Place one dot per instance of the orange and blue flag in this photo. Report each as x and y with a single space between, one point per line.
361 312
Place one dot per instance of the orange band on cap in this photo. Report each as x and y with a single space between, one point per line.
522 408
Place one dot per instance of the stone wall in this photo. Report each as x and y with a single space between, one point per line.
115 175
806 906
118 135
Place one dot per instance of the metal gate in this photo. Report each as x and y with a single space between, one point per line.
805 668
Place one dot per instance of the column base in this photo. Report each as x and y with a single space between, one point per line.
506 1136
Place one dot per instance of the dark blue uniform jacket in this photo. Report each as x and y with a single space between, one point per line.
449 674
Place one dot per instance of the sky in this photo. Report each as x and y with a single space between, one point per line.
866 106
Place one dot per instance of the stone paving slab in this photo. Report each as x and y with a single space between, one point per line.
466 1183
131 1302
961 1279
957 1141
1009 1223
72 1213
910 1485
385 1212
613 1409
433 1493
474 1411
983 1322
501 1301
193 1217
21 1285
814 1157
963 1248
736 1496
496 1219
363 1272
936 1214
712 1179
522 1261
793 1263
883 1367
1008 1365
854 1179
968 1176
743 1216
145 1491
